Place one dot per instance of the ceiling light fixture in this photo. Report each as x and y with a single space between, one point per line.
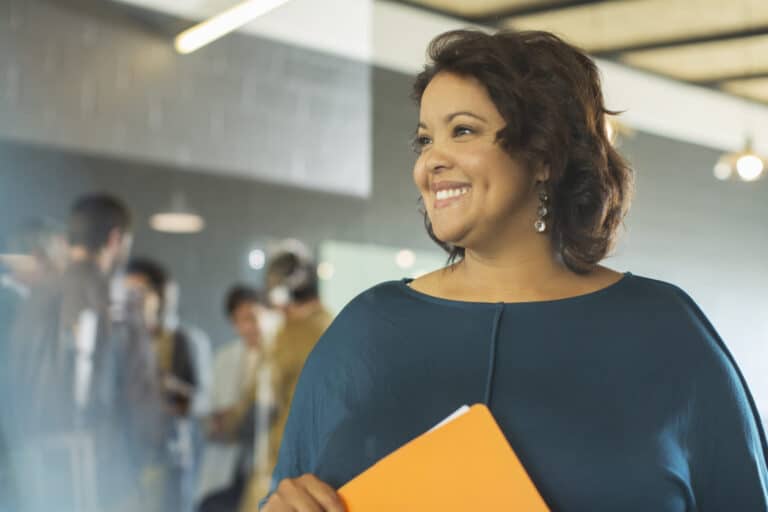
222 24
257 259
745 165
179 218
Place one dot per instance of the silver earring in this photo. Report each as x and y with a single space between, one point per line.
543 211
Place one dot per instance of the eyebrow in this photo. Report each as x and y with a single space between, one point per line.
450 117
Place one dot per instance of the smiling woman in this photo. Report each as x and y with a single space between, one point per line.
614 390
544 110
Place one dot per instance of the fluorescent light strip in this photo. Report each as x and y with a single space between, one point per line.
224 23
171 222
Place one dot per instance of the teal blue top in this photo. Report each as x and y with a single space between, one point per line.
624 399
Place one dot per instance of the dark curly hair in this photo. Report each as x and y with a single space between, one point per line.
240 294
549 94
157 275
93 217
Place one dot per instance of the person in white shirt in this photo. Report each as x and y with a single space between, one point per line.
227 456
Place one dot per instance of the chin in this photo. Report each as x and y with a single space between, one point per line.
452 236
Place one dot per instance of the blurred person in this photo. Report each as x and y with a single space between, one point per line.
35 252
201 357
614 390
8 493
293 288
178 377
200 349
228 460
65 374
67 324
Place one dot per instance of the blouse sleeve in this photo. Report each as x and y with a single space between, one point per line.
727 442
328 382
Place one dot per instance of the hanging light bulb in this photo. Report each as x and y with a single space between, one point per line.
749 167
723 169
179 218
745 165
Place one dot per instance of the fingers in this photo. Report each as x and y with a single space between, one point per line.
323 493
304 494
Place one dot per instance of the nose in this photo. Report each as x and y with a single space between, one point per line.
438 158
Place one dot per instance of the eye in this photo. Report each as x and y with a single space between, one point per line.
460 130
418 143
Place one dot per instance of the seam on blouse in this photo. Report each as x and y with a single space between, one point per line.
492 354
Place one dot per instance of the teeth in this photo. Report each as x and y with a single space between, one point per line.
454 192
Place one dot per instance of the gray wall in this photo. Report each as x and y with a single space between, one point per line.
224 109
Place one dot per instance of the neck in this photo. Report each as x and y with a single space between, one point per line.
102 260
303 310
527 269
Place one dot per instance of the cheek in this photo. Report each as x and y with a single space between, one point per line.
421 180
420 176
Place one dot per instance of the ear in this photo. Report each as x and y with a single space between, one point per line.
115 237
542 173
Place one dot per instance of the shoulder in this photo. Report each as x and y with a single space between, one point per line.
196 337
646 294
654 299
366 318
378 303
382 293
679 320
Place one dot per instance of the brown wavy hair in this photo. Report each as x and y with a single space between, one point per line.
550 96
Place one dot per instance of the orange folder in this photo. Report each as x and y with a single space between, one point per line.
462 465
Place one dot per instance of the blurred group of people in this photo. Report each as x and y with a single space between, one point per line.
111 401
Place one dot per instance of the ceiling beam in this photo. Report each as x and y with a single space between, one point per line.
614 53
429 9
496 18
719 81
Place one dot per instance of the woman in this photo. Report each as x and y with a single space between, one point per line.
614 390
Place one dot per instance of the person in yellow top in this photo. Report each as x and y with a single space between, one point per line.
292 287
178 379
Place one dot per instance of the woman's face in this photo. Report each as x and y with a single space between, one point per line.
139 284
473 190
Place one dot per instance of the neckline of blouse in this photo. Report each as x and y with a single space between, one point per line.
405 286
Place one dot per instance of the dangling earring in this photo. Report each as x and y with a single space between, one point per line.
543 211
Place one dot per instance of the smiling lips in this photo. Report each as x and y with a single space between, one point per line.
449 193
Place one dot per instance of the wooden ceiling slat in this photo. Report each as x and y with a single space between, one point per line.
615 26
614 53
705 62
755 88
493 11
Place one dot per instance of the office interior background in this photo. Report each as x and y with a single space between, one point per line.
297 126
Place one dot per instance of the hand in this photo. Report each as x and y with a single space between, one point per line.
304 494
215 424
